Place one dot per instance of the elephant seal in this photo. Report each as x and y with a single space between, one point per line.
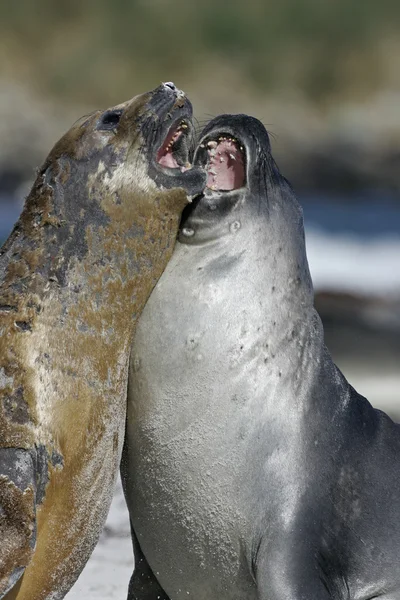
252 469
95 235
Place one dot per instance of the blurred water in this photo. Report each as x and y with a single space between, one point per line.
353 243
370 214
9 213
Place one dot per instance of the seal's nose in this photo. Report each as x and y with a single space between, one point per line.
169 85
167 97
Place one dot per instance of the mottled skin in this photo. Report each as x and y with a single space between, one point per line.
95 235
252 470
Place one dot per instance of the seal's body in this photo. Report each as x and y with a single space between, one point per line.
252 469
95 234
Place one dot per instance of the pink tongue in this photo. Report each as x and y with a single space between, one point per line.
168 160
226 167
165 156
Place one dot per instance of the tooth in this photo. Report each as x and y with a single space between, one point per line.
241 148
202 146
212 171
212 144
184 126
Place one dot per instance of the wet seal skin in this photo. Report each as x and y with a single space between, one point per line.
252 470
95 234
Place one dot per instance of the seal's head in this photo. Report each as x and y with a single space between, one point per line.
151 132
246 191
114 171
236 153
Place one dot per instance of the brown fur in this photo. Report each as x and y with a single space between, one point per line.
67 311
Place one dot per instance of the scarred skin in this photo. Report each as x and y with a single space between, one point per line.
252 469
95 234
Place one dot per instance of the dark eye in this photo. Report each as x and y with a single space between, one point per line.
110 119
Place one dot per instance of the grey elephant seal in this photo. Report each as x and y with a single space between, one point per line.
95 235
252 469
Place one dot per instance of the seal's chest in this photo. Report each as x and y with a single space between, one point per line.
186 429
186 464
187 520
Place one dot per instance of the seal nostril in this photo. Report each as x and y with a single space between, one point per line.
171 85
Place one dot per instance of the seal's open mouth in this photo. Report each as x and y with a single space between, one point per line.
174 152
167 132
224 158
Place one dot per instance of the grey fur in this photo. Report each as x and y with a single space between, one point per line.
252 468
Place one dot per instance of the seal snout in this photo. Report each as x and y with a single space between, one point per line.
171 86
174 113
169 136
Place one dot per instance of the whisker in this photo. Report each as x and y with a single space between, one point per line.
86 117
274 136
269 131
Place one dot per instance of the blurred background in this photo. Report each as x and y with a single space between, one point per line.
323 76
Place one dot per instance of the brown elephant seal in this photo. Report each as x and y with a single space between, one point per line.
253 470
95 234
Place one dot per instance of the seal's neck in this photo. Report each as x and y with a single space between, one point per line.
100 253
211 216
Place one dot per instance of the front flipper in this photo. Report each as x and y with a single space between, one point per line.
143 584
17 514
